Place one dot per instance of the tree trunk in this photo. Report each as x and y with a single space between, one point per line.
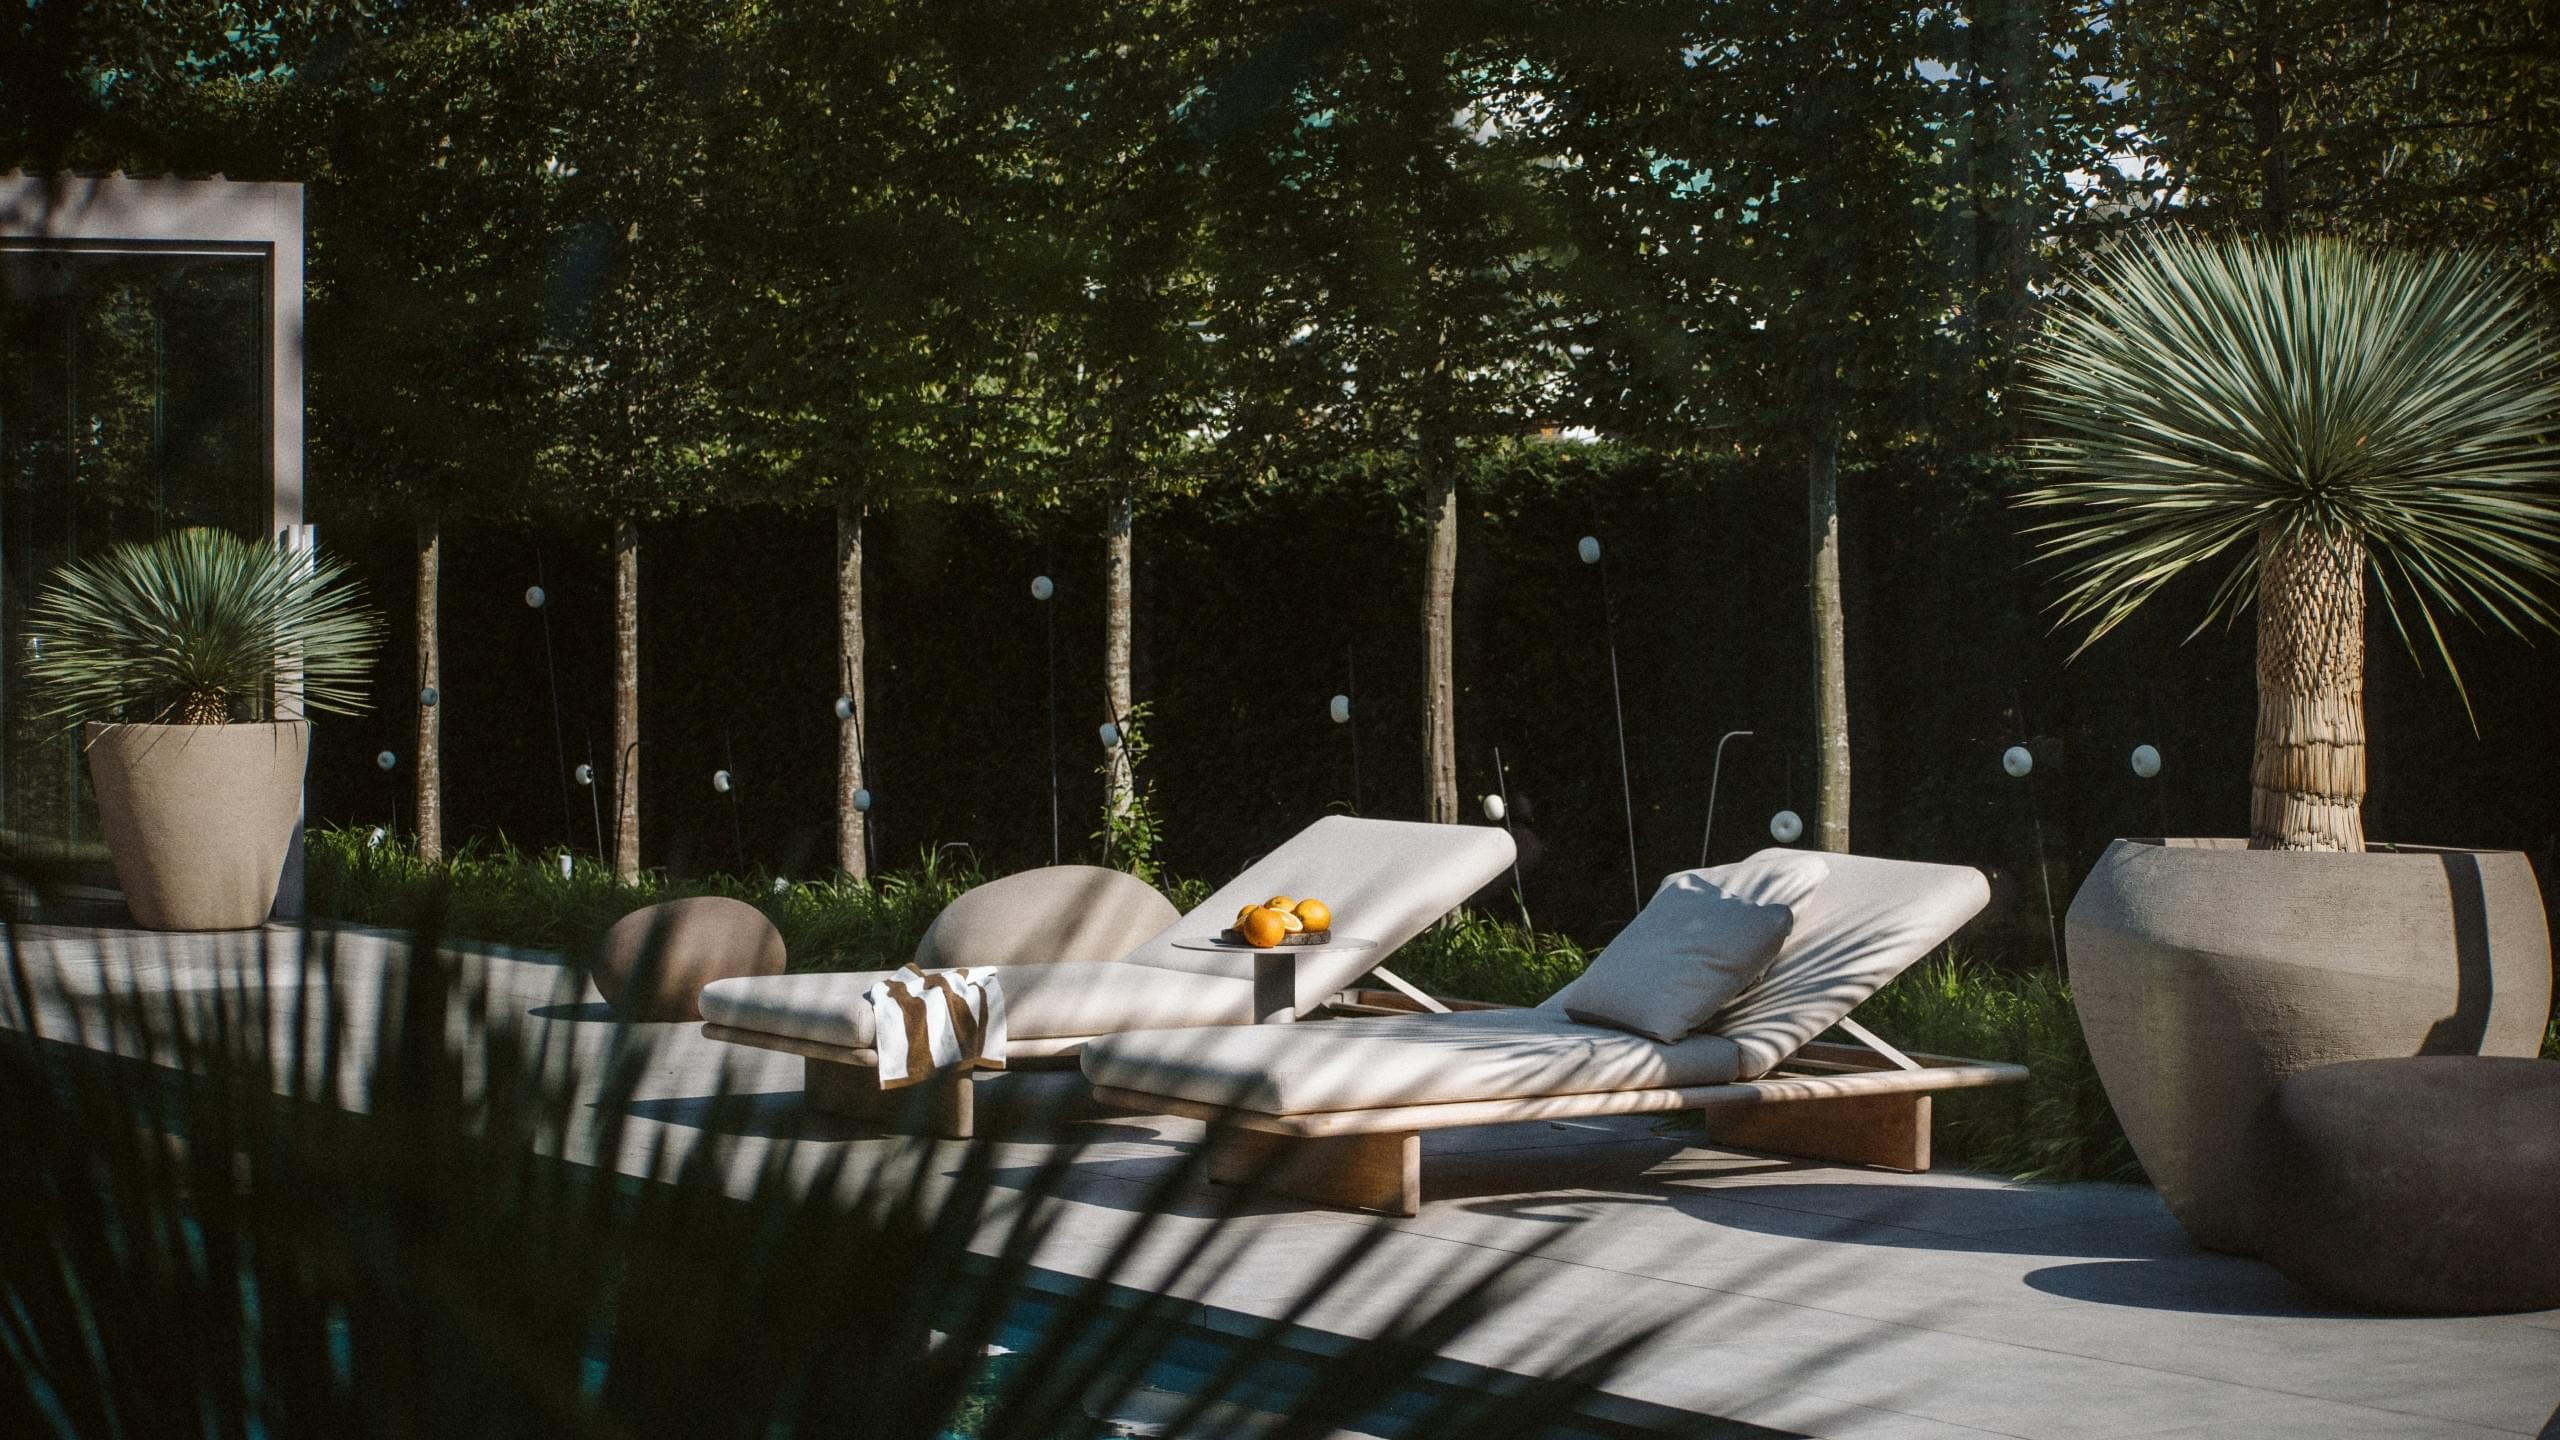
2307 778
1117 589
430 765
1830 640
852 854
626 699
1439 592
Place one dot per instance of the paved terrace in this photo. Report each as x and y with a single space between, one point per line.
1803 1299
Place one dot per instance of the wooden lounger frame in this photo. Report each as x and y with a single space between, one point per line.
1867 1104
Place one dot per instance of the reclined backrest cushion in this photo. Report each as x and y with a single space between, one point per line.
1061 912
1693 948
1385 881
1772 877
1867 922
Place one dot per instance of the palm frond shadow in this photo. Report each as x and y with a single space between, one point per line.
304 1196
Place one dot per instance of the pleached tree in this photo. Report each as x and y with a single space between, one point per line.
1115 294
873 351
639 430
1809 234
423 129
1388 265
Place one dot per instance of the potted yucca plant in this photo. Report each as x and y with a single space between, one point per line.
2308 422
194 662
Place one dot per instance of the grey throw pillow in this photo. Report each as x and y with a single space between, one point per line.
1694 948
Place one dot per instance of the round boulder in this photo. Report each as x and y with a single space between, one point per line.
2415 1184
654 961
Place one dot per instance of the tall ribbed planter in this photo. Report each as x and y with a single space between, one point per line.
198 817
2205 971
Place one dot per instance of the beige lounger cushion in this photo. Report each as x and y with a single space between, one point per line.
1869 921
1042 1002
1040 917
1692 948
1385 880
1417 1060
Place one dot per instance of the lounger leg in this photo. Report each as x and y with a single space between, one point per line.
1361 1172
1887 1131
945 1105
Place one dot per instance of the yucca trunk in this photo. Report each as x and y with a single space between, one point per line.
2307 779
1828 617
626 700
430 765
852 855
1119 556
1439 593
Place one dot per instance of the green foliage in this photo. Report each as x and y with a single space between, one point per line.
2056 1126
218 1223
1473 956
500 895
2197 395
196 627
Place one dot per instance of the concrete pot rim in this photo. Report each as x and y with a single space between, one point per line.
2233 847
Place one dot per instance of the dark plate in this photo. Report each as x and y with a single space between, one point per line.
1233 936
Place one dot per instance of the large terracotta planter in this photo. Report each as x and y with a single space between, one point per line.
2205 971
199 817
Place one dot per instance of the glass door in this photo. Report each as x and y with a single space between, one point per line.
133 401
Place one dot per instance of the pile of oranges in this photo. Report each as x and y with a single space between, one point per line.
1281 916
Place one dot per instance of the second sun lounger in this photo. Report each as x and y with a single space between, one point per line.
1335 1112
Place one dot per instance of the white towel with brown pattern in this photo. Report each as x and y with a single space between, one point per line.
926 1022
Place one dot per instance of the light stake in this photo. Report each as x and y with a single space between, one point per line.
1589 548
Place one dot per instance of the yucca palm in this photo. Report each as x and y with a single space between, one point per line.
2300 414
197 628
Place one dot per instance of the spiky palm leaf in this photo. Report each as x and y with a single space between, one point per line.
301 1221
2199 394
196 627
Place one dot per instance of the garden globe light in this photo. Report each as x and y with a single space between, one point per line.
374 840
1494 809
1786 827
720 781
1588 547
844 707
568 867
534 597
1340 709
586 774
429 695
2017 760
386 759
2146 760
1110 734
1042 587
862 800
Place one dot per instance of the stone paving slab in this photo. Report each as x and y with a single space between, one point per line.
1808 1299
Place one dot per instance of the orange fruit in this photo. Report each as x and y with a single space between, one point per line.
1281 903
1262 927
1315 915
1240 914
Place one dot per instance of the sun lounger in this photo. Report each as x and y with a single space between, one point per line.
1335 1112
1385 880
